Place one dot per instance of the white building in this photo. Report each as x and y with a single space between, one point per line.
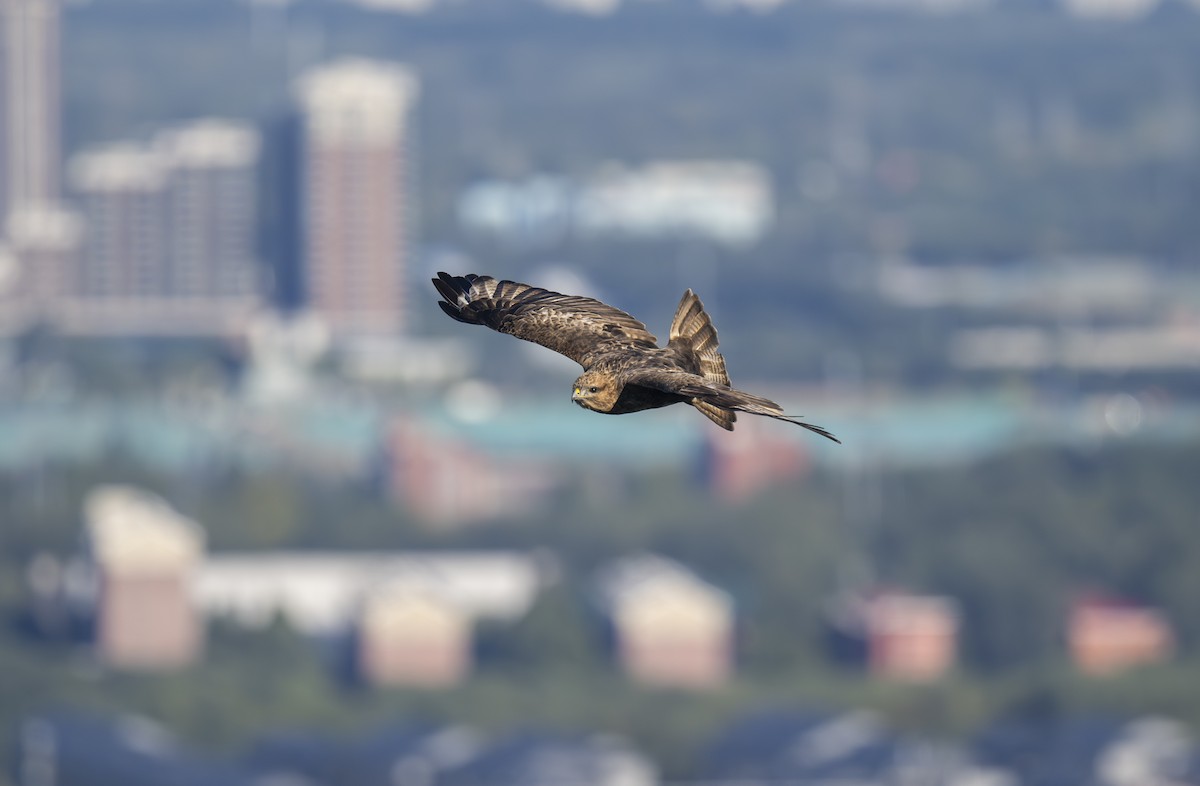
150 585
320 593
1109 9
726 202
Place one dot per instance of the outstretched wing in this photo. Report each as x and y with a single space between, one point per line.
579 327
714 394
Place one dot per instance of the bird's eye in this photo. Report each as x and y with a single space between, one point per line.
593 390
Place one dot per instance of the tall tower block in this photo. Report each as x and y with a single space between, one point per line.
41 234
210 209
120 189
29 106
354 210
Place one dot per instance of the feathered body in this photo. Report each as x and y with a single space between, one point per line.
624 368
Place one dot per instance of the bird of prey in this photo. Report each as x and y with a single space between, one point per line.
624 369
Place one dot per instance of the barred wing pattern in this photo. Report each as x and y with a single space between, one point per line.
635 374
579 327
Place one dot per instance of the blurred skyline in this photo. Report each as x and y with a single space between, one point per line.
258 492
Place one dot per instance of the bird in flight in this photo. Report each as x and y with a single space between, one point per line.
624 369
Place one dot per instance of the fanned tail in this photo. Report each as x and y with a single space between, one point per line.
693 329
725 418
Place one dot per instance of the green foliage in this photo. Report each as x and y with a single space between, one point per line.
558 634
1010 537
1013 539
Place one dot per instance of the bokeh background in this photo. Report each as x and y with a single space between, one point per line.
268 518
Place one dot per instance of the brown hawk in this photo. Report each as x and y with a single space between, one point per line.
624 369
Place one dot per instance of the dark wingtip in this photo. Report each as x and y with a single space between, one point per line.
453 312
449 288
457 293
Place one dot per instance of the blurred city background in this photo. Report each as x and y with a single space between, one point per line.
268 518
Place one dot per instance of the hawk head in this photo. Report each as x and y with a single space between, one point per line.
596 391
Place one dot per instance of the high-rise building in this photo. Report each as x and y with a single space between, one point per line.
170 231
29 106
354 210
121 192
45 242
42 236
210 209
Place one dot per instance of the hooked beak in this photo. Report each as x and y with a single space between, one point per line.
577 393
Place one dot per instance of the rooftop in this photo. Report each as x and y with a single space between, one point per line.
210 142
130 529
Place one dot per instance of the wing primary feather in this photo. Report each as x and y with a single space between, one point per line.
455 289
446 289
456 313
580 328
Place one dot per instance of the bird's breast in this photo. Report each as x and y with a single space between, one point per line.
635 398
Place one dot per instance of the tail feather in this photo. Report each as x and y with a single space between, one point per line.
693 329
725 418
728 398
